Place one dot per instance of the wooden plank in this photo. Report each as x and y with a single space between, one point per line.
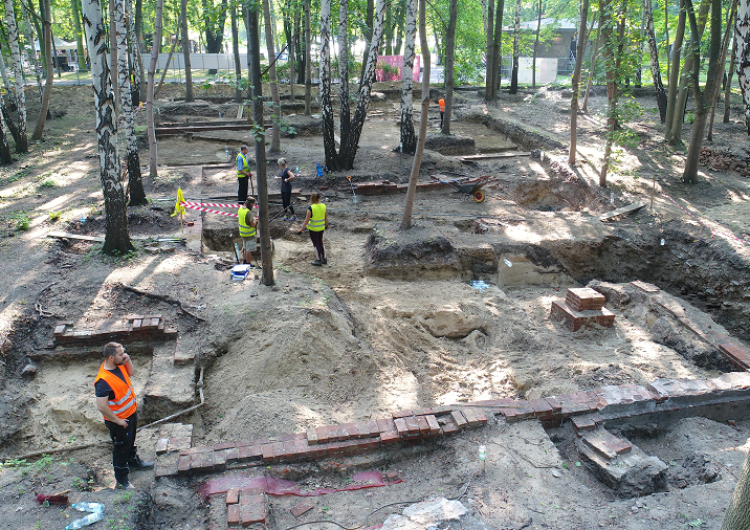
493 155
98 239
630 208
240 110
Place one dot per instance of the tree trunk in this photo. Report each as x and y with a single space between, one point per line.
388 30
414 178
292 55
408 142
742 39
308 62
39 31
253 37
536 44
6 81
153 172
594 53
722 64
112 52
575 81
349 148
135 184
214 30
691 64
489 54
368 36
516 53
605 22
236 52
345 112
186 53
117 239
449 59
138 42
44 111
703 101
674 73
22 146
661 96
737 516
5 156
728 88
32 61
329 142
75 7
276 135
666 34
177 31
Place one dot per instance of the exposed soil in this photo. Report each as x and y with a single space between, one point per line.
391 323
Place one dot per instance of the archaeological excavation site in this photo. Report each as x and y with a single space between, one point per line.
546 354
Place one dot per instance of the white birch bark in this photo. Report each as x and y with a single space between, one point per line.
10 19
276 134
408 137
661 96
516 52
5 157
135 185
345 113
150 90
117 239
326 108
742 57
135 53
6 81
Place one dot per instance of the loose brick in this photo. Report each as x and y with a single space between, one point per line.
391 476
401 428
402 414
183 465
584 298
59 330
583 423
233 496
161 445
233 516
433 425
450 428
312 437
301 509
424 427
459 419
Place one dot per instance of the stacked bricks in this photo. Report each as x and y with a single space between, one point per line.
246 507
132 328
736 354
606 444
582 306
173 439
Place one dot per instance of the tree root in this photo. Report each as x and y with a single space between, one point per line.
161 298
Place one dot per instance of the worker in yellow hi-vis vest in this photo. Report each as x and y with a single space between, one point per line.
243 174
248 230
316 222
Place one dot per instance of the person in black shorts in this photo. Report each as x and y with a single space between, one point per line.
286 177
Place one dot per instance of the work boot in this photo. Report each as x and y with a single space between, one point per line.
324 261
316 263
137 463
124 486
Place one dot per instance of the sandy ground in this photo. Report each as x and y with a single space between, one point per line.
335 344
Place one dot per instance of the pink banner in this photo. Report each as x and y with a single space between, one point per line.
394 61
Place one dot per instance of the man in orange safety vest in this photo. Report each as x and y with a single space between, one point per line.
442 111
115 399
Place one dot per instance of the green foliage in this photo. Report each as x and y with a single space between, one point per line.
82 484
54 216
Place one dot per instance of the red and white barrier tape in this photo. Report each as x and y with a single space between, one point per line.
722 234
213 204
194 206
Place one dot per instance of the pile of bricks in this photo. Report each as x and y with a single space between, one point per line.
132 328
322 442
246 507
173 438
582 306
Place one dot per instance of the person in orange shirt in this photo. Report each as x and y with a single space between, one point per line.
442 111
115 399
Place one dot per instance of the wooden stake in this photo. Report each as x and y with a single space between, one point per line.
653 192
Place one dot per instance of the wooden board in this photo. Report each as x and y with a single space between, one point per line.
625 210
97 239
493 155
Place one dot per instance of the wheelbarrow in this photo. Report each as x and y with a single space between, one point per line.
470 189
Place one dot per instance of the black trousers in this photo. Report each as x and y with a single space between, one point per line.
442 115
242 192
123 449
286 200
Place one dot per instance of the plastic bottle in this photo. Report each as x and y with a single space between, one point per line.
89 507
320 170
482 453
85 521
226 150
612 198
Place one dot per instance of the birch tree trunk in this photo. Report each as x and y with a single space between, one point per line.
414 178
703 100
368 36
408 142
135 54
138 40
236 53
152 159
6 81
22 146
135 183
449 60
358 121
661 96
75 6
490 52
32 61
5 156
737 516
343 41
575 81
186 53
117 239
329 142
276 135
742 46
536 44
594 53
112 52
42 119
728 88
674 73
516 54
308 62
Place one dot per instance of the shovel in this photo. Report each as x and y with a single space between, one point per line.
355 199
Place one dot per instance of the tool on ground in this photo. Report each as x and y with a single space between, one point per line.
355 199
471 189
237 253
57 498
